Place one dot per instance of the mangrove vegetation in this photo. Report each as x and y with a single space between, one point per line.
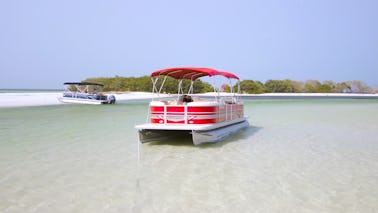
144 84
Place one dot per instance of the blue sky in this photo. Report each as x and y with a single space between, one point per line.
45 42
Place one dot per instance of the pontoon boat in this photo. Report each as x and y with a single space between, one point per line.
85 93
207 120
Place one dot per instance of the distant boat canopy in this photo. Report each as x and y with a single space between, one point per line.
83 83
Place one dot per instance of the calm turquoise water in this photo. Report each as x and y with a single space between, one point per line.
297 156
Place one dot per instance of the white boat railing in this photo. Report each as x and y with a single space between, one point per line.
225 110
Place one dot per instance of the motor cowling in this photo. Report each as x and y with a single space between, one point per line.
111 99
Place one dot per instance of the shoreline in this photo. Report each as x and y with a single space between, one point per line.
25 99
298 95
310 96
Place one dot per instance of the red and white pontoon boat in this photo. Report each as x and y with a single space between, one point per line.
207 120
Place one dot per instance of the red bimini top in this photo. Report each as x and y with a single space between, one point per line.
229 75
191 73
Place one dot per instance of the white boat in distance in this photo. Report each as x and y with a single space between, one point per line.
85 93
206 120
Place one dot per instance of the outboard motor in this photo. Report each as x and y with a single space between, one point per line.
111 99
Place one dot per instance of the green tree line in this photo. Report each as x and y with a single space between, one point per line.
310 86
144 84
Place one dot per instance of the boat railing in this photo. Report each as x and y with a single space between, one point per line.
195 112
84 96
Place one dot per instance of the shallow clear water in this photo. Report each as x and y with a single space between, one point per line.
297 156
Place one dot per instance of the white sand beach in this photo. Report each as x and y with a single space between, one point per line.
51 98
19 99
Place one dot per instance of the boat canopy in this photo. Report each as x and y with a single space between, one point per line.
191 73
229 75
83 83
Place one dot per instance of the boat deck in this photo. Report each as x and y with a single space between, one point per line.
184 127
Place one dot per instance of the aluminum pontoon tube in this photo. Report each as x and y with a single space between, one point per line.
154 135
215 135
